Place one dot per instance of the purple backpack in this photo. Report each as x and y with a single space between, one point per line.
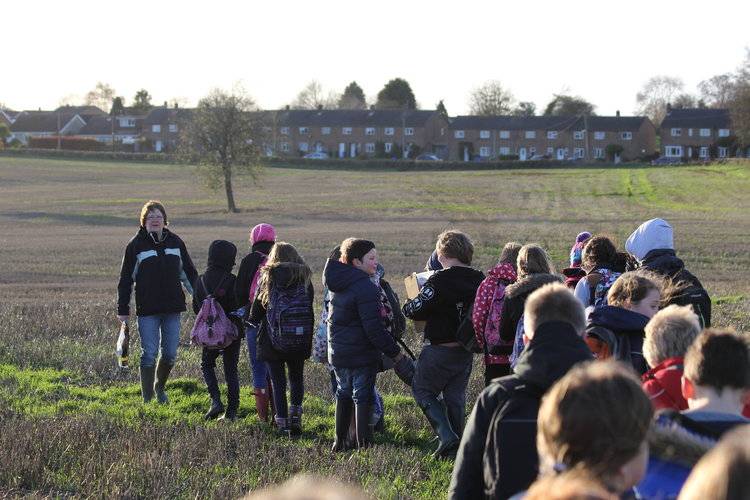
212 329
290 319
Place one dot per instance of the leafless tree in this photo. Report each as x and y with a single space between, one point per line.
313 96
491 98
716 92
655 94
101 96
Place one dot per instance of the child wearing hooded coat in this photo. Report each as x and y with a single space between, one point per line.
219 281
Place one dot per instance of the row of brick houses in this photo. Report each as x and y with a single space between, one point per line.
685 133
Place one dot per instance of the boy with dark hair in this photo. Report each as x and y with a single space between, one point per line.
444 365
497 457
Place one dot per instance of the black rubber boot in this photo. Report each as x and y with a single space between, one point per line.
295 420
216 409
456 417
362 413
434 410
147 383
162 375
344 409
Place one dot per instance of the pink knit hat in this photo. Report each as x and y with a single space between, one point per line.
262 232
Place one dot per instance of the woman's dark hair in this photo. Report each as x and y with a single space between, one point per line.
355 248
599 251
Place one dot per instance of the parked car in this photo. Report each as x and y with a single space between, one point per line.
539 157
428 157
317 155
666 160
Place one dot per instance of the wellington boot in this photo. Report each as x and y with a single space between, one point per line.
261 404
364 429
295 420
344 410
162 375
216 409
434 410
147 383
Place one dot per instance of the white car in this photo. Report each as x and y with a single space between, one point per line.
317 155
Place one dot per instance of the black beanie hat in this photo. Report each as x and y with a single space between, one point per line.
356 248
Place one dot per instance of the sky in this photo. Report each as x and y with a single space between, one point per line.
601 50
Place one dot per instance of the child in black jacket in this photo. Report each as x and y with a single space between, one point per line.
218 280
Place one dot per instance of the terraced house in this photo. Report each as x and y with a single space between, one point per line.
697 133
357 133
555 137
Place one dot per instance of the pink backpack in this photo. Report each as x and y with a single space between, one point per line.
492 326
256 276
212 329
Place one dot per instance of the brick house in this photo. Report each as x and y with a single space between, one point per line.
555 137
8 116
696 133
123 129
160 130
353 133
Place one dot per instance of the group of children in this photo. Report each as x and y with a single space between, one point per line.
575 365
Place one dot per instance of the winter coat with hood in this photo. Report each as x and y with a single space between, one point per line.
281 277
515 298
493 287
248 267
555 348
218 279
356 335
652 246
156 267
442 302
663 384
623 330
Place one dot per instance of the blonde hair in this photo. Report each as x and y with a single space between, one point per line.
149 206
509 253
632 287
553 302
532 259
455 245
309 487
669 334
282 254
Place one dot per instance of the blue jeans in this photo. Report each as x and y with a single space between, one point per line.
356 383
159 330
259 369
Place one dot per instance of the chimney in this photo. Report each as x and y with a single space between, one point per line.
669 107
286 107
166 104
176 105
320 107
372 107
617 113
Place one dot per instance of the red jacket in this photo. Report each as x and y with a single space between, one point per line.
663 385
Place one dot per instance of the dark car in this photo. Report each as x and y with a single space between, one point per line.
666 160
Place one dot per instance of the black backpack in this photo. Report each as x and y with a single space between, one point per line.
693 295
510 460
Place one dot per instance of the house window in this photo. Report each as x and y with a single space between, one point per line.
626 136
598 152
673 151
408 131
304 131
173 127
550 151
346 130
530 134
458 134
599 136
303 146
578 135
722 152
370 131
552 134
388 146
578 152
703 153
676 132
325 130
370 147
156 128
484 151
505 134
284 130
690 132
504 151
705 132
532 151
389 131
723 132
285 147
484 134
127 122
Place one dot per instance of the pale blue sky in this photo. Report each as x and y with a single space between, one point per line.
601 50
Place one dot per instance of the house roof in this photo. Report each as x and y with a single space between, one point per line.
9 114
163 114
697 118
102 125
81 110
599 123
353 118
40 121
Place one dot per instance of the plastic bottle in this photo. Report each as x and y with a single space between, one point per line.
123 345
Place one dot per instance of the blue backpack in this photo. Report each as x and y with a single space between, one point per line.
290 319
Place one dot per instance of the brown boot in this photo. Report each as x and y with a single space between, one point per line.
261 404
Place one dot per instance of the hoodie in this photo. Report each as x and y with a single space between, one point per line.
515 298
356 335
654 234
221 255
622 330
502 464
248 267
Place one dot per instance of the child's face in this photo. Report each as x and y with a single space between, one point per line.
649 306
369 262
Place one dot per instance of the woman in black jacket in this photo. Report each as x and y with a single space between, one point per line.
262 238
285 273
218 281
156 261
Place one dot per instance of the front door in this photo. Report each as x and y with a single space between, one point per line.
560 154
158 146
342 149
353 150
522 154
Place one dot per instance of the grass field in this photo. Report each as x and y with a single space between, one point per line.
72 424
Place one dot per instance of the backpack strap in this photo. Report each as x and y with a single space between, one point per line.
218 285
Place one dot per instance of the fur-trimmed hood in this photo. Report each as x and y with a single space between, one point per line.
672 442
528 284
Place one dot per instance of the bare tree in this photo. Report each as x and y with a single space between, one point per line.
717 90
491 98
686 100
224 138
101 96
655 94
314 97
739 103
